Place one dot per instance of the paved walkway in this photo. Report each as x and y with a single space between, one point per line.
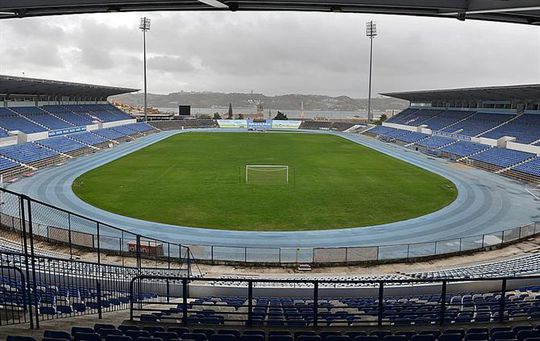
486 203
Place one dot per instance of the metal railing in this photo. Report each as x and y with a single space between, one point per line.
31 226
250 302
78 235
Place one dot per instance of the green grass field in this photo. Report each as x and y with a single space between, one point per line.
198 179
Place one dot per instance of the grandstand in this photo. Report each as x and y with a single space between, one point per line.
496 129
73 121
58 263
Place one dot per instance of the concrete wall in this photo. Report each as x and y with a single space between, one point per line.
118 123
37 136
400 126
92 127
524 147
8 141
485 140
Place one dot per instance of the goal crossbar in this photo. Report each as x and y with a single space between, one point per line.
268 168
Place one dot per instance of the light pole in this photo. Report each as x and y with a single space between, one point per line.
145 26
371 33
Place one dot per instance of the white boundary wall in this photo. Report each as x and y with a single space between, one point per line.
117 123
399 126
524 147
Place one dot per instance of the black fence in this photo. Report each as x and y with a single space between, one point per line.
317 303
43 277
37 228
78 236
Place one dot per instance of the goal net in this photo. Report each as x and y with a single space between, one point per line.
267 174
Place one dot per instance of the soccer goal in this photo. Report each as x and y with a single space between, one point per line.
267 174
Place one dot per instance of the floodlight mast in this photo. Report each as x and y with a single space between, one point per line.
371 33
145 26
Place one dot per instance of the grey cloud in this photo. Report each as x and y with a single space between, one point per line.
274 53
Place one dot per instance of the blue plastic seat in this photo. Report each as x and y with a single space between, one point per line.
195 336
77 329
223 337
86 337
527 334
423 337
104 332
57 334
118 338
338 338
234 332
134 334
280 338
450 337
503 335
166 336
20 338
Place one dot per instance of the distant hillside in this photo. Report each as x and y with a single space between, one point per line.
283 102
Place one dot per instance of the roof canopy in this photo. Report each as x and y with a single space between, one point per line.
517 11
10 85
496 93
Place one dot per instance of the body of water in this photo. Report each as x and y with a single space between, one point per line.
270 113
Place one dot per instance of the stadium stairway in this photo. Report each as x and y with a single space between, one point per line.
29 119
456 123
465 158
500 125
516 165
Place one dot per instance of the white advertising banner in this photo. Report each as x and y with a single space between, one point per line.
232 123
285 124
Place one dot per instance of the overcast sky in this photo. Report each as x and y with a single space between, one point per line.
271 52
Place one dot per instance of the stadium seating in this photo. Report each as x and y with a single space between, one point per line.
6 164
532 167
525 128
316 125
62 144
144 332
102 112
447 118
10 120
502 157
517 266
109 134
63 112
398 134
414 117
27 153
41 117
434 119
436 142
133 129
88 138
477 124
464 148
184 124
140 127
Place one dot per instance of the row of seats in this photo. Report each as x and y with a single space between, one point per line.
517 266
109 332
184 124
52 117
525 128
502 157
62 144
27 152
326 125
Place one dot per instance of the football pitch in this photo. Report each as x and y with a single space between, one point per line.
199 179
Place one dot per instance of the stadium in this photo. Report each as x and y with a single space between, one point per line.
423 227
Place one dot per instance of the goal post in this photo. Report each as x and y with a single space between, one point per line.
267 174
